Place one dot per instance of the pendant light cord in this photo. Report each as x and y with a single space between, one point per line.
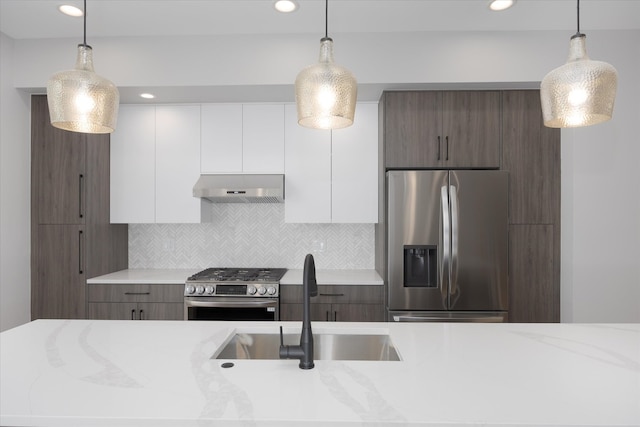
85 23
326 19
578 33
577 14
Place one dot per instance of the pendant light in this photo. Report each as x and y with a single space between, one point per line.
79 99
581 92
326 93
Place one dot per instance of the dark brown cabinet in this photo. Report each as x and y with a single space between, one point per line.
135 302
488 129
531 154
335 303
450 129
71 238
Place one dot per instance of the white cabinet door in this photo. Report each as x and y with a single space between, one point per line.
133 165
221 143
354 170
263 138
307 172
177 163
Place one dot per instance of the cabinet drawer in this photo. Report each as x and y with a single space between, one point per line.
135 293
329 294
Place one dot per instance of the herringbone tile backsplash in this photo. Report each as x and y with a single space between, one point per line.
250 235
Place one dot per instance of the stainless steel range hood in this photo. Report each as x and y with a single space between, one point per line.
240 188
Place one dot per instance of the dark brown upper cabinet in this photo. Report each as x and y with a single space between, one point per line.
442 129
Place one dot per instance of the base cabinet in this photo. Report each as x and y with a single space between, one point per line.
335 303
135 302
135 311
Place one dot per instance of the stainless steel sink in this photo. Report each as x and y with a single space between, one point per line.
326 347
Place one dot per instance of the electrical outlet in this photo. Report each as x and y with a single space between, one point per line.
168 245
317 246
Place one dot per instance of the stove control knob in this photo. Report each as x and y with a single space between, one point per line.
262 291
190 289
251 290
200 289
209 289
271 290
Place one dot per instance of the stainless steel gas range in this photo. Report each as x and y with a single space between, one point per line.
233 294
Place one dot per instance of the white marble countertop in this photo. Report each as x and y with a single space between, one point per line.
335 277
146 373
291 277
161 276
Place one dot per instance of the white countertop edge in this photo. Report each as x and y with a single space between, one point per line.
335 277
147 276
163 276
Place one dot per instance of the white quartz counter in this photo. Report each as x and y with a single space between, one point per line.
335 277
151 276
291 277
145 373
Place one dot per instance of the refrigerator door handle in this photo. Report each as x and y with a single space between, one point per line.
453 194
446 243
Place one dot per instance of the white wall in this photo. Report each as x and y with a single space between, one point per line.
15 276
600 174
601 203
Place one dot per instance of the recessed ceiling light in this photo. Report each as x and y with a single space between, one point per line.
70 10
286 6
498 5
147 95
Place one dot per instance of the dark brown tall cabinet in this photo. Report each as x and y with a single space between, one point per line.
71 238
531 154
487 130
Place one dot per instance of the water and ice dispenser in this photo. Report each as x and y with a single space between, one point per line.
421 266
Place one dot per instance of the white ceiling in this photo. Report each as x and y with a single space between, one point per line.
34 19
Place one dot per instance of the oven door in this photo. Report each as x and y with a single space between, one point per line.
224 308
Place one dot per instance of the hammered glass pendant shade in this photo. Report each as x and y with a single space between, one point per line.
82 101
579 93
326 93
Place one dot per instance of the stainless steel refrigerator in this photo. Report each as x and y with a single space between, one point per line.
447 245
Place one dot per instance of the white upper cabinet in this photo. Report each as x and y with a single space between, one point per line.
177 163
354 168
263 138
307 174
240 138
158 153
221 138
132 177
155 161
332 176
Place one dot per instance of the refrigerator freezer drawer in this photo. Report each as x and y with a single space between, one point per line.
449 316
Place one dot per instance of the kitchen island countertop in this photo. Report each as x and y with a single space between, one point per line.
133 373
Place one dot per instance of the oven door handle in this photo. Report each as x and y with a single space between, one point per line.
232 304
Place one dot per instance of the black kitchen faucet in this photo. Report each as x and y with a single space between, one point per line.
304 351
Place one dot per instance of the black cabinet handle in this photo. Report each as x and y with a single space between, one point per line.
327 315
141 314
439 145
331 295
335 316
133 315
80 198
80 270
137 293
447 149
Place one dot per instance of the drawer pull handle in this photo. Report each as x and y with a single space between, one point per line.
133 315
137 293
141 314
331 295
